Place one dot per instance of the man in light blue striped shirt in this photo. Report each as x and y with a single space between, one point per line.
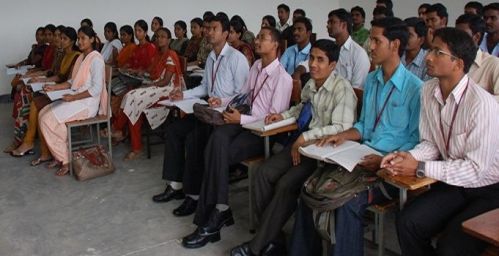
294 55
414 55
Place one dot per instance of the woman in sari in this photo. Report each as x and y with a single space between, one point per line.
113 45
234 39
89 98
71 53
192 48
165 73
128 42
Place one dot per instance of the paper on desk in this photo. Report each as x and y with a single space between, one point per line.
192 68
262 127
186 105
56 95
39 86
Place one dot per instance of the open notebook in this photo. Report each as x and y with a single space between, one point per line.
348 154
57 95
260 125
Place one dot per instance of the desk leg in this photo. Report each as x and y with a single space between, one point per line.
267 146
403 197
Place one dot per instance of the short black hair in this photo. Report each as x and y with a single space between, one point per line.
360 10
425 5
50 27
475 22
159 20
329 47
393 28
388 3
270 19
475 5
274 33
491 6
460 44
223 19
284 7
208 14
344 16
300 11
40 29
383 11
440 9
305 21
198 21
418 25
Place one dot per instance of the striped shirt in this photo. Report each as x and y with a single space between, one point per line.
417 65
473 157
333 107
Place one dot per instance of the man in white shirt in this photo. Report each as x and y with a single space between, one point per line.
283 15
458 147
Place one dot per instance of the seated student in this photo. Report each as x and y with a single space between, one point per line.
288 33
283 12
234 40
113 46
137 63
436 17
473 7
71 53
156 23
459 147
36 54
269 88
359 32
204 47
388 122
191 51
224 77
165 73
485 69
422 10
490 41
87 80
128 41
246 36
291 58
88 22
414 55
180 43
268 21
379 12
279 178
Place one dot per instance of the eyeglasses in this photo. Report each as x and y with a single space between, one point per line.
438 53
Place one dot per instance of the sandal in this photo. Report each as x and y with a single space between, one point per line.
39 161
132 155
53 164
63 171
16 153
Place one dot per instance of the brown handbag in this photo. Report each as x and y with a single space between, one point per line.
91 163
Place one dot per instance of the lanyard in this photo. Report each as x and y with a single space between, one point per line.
447 142
253 96
378 116
214 75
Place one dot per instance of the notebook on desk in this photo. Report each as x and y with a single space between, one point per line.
260 125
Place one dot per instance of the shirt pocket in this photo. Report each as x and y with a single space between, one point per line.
398 116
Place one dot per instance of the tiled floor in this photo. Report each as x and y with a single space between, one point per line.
41 214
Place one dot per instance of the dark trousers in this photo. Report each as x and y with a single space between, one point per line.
277 186
184 147
442 211
227 145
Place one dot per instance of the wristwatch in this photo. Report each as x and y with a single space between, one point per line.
420 172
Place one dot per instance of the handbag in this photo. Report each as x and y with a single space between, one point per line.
91 163
211 116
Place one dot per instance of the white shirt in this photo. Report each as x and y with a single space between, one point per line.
483 46
107 49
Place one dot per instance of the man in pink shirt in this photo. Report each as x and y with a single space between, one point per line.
269 89
458 146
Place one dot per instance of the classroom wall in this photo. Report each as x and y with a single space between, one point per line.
20 18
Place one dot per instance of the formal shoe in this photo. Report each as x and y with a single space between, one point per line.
274 249
168 195
187 207
217 220
196 240
242 250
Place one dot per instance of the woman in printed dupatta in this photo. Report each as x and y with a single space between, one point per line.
89 98
165 73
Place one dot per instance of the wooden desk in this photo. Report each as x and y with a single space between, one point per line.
484 227
404 183
267 134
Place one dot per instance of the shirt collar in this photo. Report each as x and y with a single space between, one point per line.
348 43
305 50
269 68
222 53
478 58
457 92
397 78
418 61
328 84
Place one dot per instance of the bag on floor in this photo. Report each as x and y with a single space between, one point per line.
91 163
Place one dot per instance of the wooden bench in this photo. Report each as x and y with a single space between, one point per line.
486 228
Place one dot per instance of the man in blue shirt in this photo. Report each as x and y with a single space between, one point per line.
302 29
389 121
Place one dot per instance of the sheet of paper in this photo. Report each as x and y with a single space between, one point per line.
193 68
56 95
350 158
21 70
39 86
186 105
321 153
262 127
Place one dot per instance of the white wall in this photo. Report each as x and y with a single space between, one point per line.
20 18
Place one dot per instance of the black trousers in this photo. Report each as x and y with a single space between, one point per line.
277 187
227 145
184 147
442 211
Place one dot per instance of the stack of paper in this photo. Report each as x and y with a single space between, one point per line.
262 127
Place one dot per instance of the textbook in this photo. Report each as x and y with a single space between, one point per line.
186 105
57 95
260 125
348 154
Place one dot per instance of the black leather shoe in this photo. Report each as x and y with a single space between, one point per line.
187 208
274 249
168 195
196 240
242 250
217 221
